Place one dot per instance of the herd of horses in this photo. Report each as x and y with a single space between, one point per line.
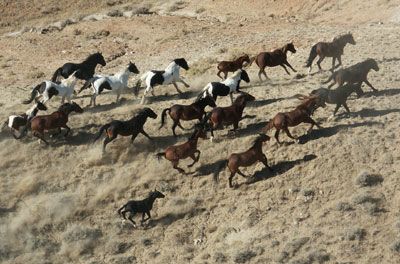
349 80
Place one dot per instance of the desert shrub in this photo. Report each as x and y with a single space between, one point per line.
365 179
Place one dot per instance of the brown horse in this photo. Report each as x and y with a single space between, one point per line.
187 112
230 115
245 159
301 114
56 120
185 150
232 66
332 49
273 58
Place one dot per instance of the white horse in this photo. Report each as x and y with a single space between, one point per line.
117 82
168 76
48 89
228 86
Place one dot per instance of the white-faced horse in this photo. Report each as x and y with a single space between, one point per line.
168 76
229 86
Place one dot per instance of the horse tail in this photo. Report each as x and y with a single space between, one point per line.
252 59
311 57
220 165
22 134
122 208
160 155
55 75
34 92
98 135
86 85
329 79
269 126
163 113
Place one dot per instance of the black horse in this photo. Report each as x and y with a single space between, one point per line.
143 206
86 68
133 127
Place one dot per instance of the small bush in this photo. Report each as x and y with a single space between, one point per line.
244 256
355 234
115 13
364 179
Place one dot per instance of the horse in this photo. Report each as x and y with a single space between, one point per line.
185 150
117 82
228 86
301 114
48 89
169 75
244 159
338 96
20 123
56 120
187 112
143 206
132 127
232 66
85 69
230 115
354 74
332 49
274 58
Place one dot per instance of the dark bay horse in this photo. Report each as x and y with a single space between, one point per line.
132 127
143 206
232 66
85 69
332 49
245 159
301 114
274 58
187 112
56 120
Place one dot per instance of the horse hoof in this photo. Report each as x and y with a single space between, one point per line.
212 139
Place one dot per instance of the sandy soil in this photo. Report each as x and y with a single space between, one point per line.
333 197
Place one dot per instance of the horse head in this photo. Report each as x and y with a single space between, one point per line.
99 58
290 47
156 194
263 137
41 106
182 63
149 112
357 89
349 39
209 100
243 98
373 64
132 68
244 76
76 108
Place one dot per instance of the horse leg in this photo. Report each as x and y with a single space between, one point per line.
290 66
174 125
134 135
332 84
321 58
194 158
309 120
144 95
286 129
346 107
259 75
130 217
336 109
242 174
225 75
333 63
181 127
265 74
340 61
231 178
118 95
62 100
176 87
283 66
67 128
277 136
123 213
108 140
231 96
184 83
370 85
40 136
175 166
219 74
145 134
265 162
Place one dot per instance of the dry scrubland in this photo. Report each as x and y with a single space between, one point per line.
334 197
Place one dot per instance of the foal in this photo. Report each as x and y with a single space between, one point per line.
187 112
273 58
56 120
228 86
245 159
132 127
301 114
168 76
332 49
232 66
185 150
143 206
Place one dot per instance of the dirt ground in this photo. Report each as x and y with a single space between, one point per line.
333 197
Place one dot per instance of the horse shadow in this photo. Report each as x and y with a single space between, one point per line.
370 112
385 92
107 107
208 168
263 102
169 97
170 218
77 138
251 129
278 169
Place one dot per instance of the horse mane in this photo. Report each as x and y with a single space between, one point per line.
91 56
341 37
257 140
235 74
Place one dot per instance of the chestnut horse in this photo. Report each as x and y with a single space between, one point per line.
187 112
301 114
56 120
273 58
231 66
245 159
332 49
185 150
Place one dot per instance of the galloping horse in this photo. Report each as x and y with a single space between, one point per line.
245 159
232 66
168 76
273 58
56 120
85 69
187 112
132 127
228 86
301 114
332 49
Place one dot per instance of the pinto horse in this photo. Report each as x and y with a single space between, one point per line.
187 112
132 127
168 76
232 66
185 150
274 58
228 86
332 49
85 69
56 120
301 114
245 159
